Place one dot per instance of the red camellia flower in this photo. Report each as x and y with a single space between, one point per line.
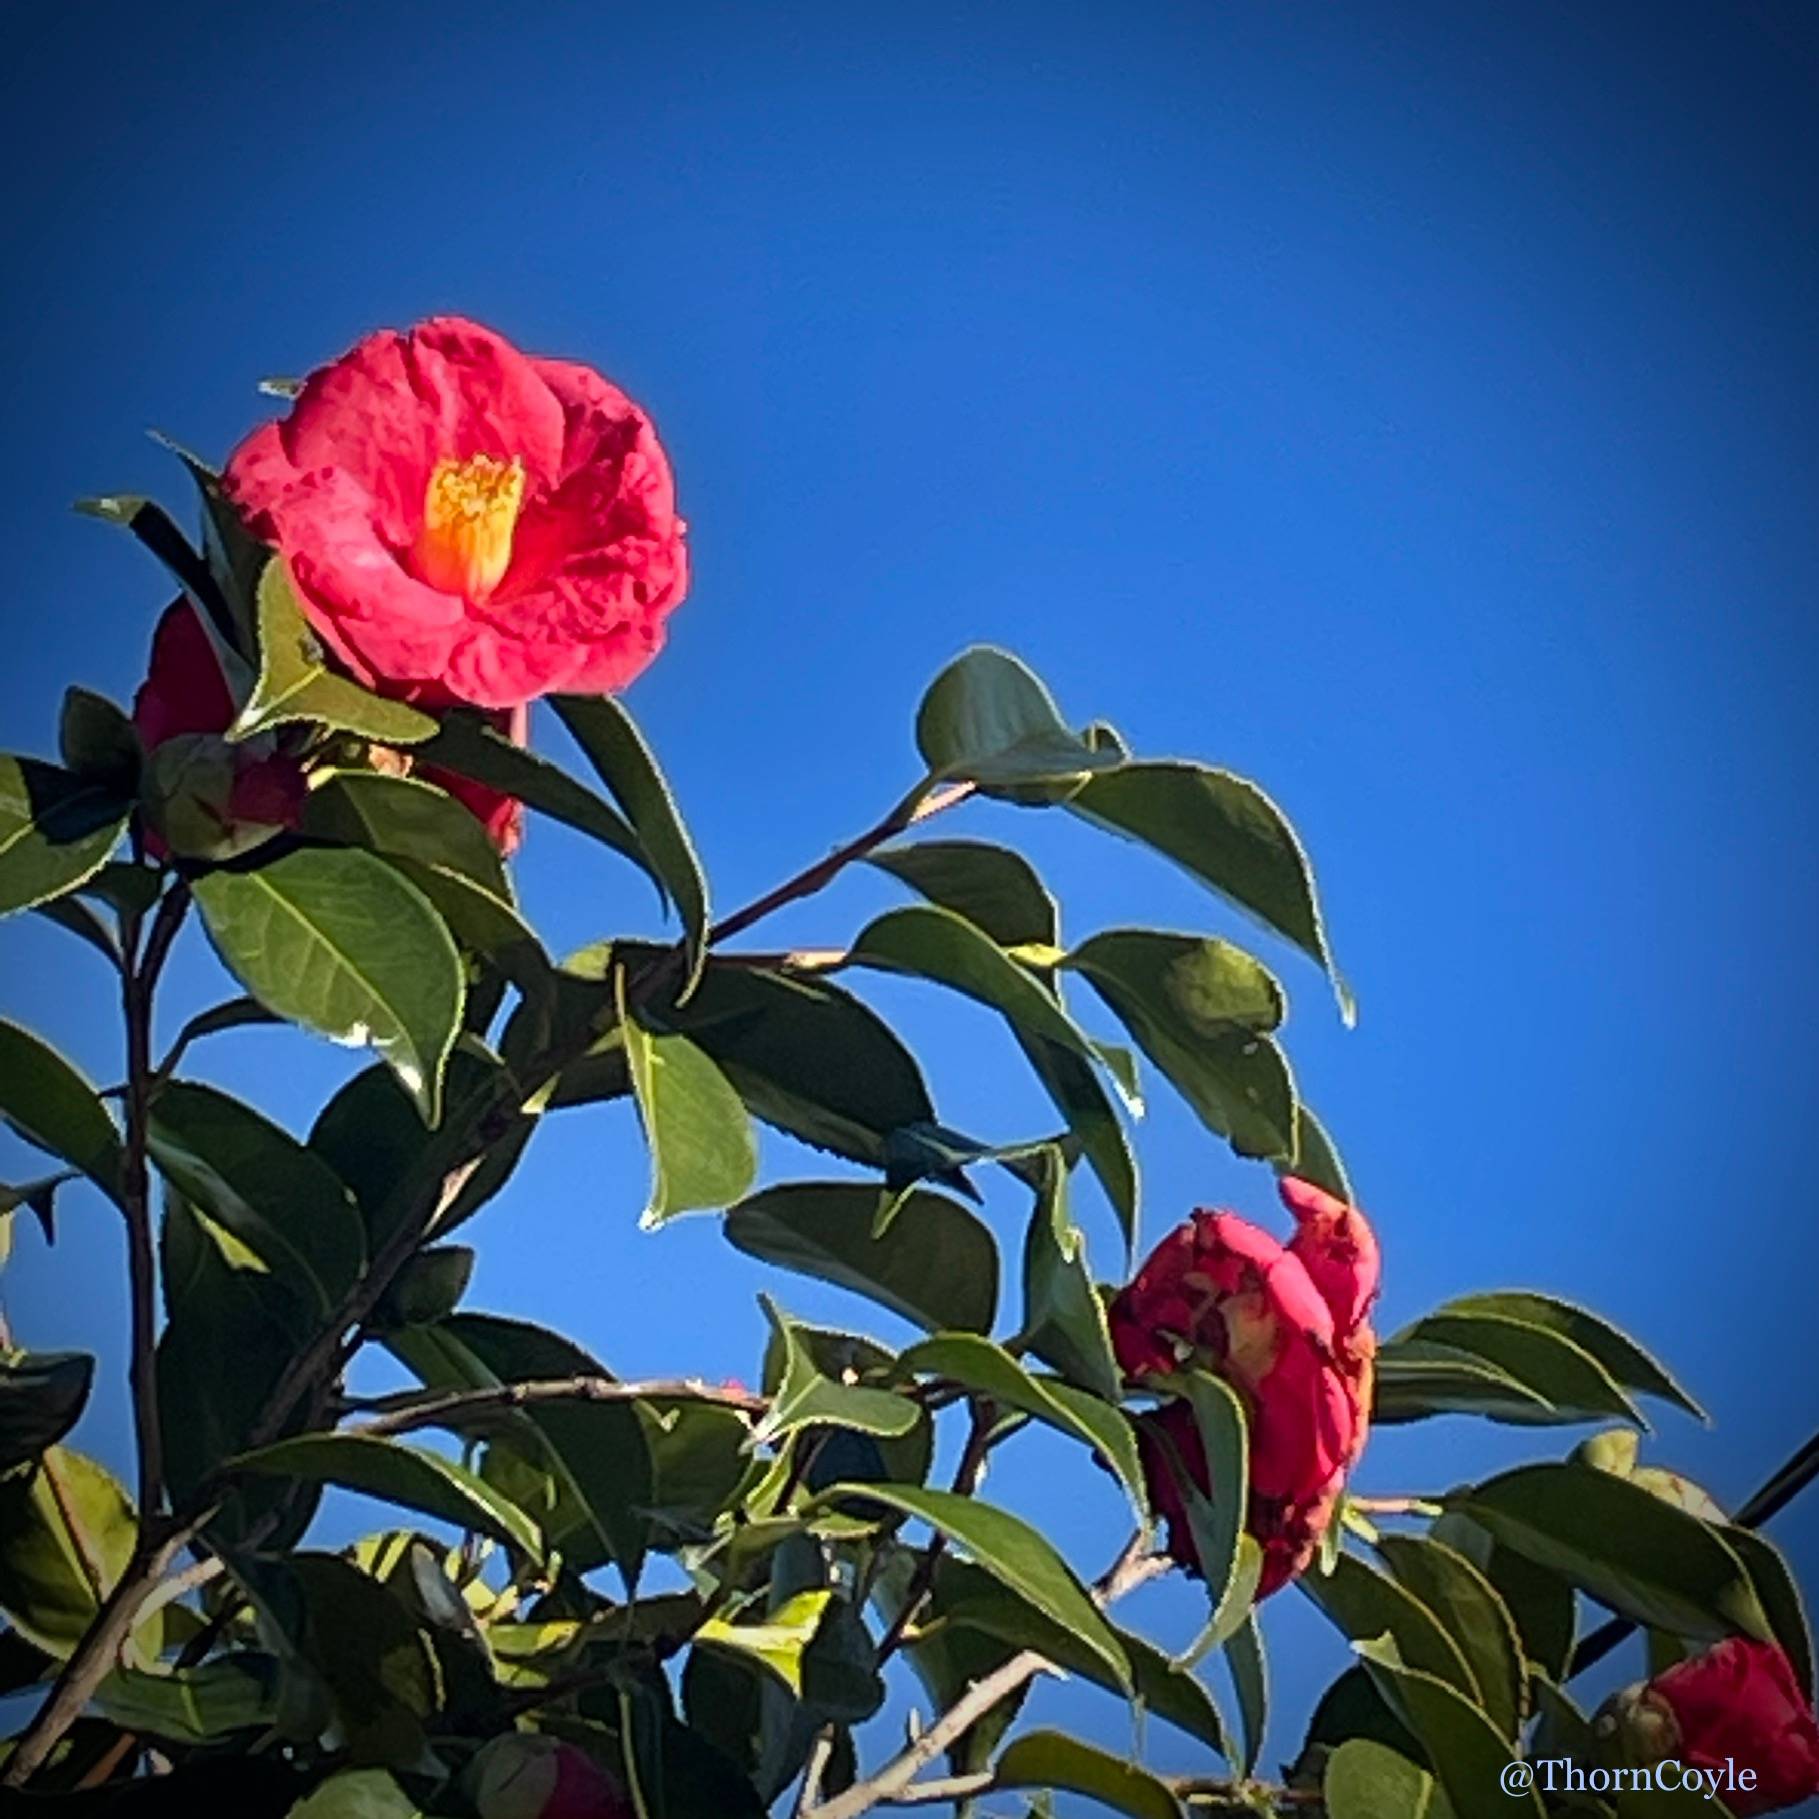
466 523
1289 1329
1738 1706
214 798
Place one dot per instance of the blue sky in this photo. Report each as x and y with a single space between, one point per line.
1410 406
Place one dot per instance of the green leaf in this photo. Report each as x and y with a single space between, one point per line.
703 1150
1364 1602
410 1476
1316 1159
1624 1545
1250 1680
936 1265
1224 831
987 719
340 943
428 1288
193 1704
1218 1522
98 742
73 914
1540 1359
1368 1780
41 1396
979 1364
994 888
361 1793
1417 1379
596 1451
1203 1012
700 1466
40 1197
778 1640
471 748
1467 1754
277 1197
67 1532
1779 1593
295 682
439 846
625 764
1620 1356
806 1398
233 555
125 887
53 1107
56 831
1053 1760
152 525
937 945
1064 1320
1468 1606
1014 1554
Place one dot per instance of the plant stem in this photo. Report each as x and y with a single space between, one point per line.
404 1413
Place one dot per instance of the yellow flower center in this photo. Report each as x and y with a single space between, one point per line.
470 509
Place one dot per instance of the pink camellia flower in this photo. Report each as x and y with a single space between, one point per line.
210 799
465 523
1738 1706
535 1777
1288 1328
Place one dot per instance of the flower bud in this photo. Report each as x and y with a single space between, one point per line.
534 1777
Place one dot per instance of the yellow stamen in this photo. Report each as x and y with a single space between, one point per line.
470 509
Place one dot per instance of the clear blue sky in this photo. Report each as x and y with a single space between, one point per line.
1412 406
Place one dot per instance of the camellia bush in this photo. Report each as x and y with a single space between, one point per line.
324 776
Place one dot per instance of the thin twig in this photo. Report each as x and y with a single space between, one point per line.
1131 1569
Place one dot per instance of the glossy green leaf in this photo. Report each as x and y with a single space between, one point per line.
937 945
468 746
625 764
1621 1543
275 1195
704 1153
1472 1613
1218 1521
1417 1379
1539 1358
806 1398
340 942
296 683
987 719
410 1476
1204 1012
1053 1759
56 830
1250 1681
1315 1157
994 888
1064 1320
1368 1780
1620 1356
1010 1550
936 1265
1467 1754
1779 1594
1364 1602
978 1364
193 1704
777 1640
53 1107
1224 831
67 1532
41 1396
438 845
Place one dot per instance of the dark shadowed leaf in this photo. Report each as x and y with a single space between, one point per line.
1250 1681
1063 1318
1420 1378
1203 1012
993 887
1624 1545
625 764
85 924
1539 1358
936 1265
410 1476
1467 1754
97 741
295 682
56 830
1779 1593
1053 1760
1224 831
41 1396
1014 1554
280 1199
50 1105
339 942
703 1150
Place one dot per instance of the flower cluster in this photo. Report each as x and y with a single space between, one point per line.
1288 1326
465 526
